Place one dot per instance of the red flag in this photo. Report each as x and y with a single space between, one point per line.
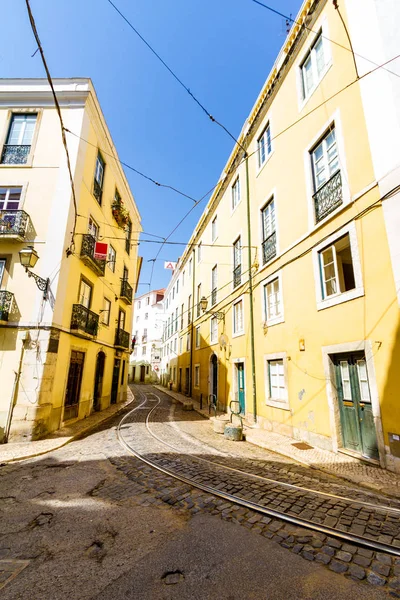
100 251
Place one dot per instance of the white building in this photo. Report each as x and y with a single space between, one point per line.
148 327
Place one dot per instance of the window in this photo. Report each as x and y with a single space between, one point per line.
235 193
128 235
264 147
2 269
237 259
105 315
198 337
177 286
148 300
121 319
214 286
187 342
19 139
98 178
93 228
10 198
137 319
146 316
111 260
144 336
176 319
213 330
268 232
173 293
313 67
272 301
214 231
196 376
199 253
183 278
139 304
198 299
182 311
189 310
180 345
123 372
326 176
144 350
85 294
336 264
276 380
190 267
238 317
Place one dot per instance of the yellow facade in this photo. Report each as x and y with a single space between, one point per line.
63 357
353 320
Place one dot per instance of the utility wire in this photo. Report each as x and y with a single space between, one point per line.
64 141
175 76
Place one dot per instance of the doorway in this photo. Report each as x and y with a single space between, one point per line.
74 381
142 373
180 380
98 380
355 408
214 376
187 380
240 386
115 381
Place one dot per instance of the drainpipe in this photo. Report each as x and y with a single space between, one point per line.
13 400
253 358
191 325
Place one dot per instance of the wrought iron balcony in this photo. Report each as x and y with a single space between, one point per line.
14 225
213 296
126 292
328 197
87 255
15 154
269 248
6 300
97 191
84 320
237 276
121 338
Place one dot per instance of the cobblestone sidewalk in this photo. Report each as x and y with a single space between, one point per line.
23 450
340 465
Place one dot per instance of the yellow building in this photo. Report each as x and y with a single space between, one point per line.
64 348
293 257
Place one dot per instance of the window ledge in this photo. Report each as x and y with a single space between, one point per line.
303 101
259 169
20 166
283 404
276 321
340 298
238 334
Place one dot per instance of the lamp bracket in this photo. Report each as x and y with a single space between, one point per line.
42 284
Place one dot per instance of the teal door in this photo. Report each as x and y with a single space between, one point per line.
240 386
356 417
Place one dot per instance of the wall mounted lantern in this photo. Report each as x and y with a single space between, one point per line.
28 258
219 315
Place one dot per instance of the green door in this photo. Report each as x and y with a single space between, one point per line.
240 386
356 417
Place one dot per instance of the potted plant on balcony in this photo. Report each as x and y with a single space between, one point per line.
119 212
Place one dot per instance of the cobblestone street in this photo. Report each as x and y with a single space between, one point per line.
91 521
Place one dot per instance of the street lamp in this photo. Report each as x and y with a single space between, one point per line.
28 258
219 315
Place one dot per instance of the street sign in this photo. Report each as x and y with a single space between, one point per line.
170 265
100 251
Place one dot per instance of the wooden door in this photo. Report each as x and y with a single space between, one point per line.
74 381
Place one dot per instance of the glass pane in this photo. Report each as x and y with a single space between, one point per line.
2 268
308 79
319 55
344 369
363 380
327 256
29 129
16 130
261 151
268 137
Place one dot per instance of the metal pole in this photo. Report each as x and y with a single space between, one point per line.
191 324
253 358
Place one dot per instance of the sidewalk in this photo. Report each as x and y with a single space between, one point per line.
338 464
22 450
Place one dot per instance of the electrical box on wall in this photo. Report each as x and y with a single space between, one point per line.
394 444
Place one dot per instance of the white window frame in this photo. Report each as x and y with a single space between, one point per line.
321 29
281 317
196 382
106 314
199 251
213 340
237 237
214 229
235 194
180 345
284 402
334 120
111 263
240 331
197 337
264 136
339 298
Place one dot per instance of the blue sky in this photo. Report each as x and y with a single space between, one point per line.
223 50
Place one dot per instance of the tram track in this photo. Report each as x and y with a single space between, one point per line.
264 501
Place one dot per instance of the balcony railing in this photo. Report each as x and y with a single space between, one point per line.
237 276
14 224
126 292
121 338
6 300
15 154
84 320
213 296
87 254
269 248
328 197
97 190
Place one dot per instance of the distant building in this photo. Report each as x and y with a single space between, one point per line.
147 334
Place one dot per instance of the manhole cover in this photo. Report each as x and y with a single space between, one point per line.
302 446
9 569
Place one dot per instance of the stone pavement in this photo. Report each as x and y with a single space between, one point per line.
22 450
338 464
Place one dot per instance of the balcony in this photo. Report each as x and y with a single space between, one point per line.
97 191
15 154
126 292
121 338
84 321
237 276
213 296
328 197
269 248
6 301
87 255
15 225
